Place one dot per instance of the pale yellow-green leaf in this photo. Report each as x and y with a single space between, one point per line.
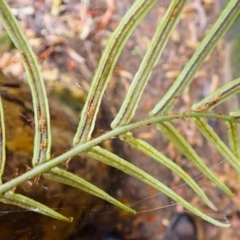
65 177
156 155
27 203
218 96
104 71
154 52
186 149
42 138
216 141
111 159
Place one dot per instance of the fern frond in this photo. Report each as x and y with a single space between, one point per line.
104 71
42 139
27 203
186 149
206 46
216 141
65 177
154 52
218 96
83 142
96 141
9 197
156 155
233 137
111 159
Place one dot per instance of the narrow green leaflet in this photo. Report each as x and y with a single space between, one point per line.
216 141
96 141
65 177
186 149
233 138
10 197
205 48
104 71
111 159
154 52
235 114
218 96
156 155
215 98
83 141
24 202
2 141
42 140
181 83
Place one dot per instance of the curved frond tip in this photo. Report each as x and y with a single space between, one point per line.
111 159
27 203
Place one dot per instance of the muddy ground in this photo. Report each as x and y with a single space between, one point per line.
68 38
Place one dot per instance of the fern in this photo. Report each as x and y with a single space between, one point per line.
121 127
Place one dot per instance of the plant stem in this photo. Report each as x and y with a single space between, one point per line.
94 142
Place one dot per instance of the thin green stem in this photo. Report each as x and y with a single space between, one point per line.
117 131
218 96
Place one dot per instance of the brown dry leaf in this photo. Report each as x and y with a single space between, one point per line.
189 9
186 97
171 150
201 14
55 8
13 65
208 4
172 74
175 36
86 29
36 42
148 105
123 73
201 74
148 135
193 32
214 83
107 16
192 44
78 58
54 40
169 65
50 74
208 1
